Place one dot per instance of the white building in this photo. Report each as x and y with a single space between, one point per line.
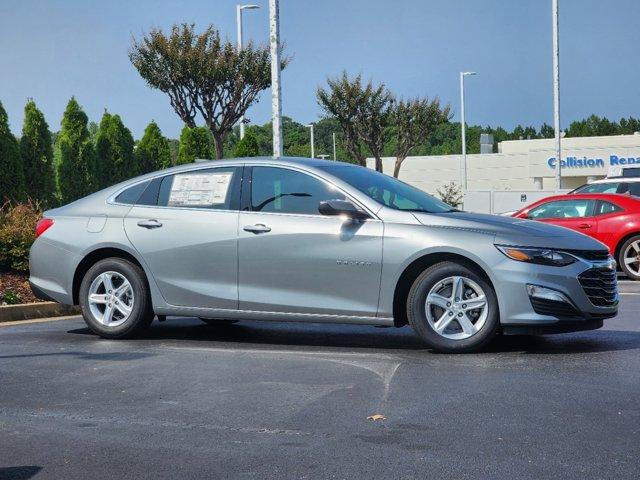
524 167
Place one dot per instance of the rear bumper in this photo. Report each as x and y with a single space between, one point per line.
51 270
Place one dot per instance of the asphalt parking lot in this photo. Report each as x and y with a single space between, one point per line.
277 400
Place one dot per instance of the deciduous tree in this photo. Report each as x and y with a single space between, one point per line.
413 121
341 100
37 156
203 74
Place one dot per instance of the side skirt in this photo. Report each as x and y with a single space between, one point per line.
271 316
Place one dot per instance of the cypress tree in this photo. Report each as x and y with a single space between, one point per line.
76 154
195 143
152 151
247 147
37 156
114 161
11 169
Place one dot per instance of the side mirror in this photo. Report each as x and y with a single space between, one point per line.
342 207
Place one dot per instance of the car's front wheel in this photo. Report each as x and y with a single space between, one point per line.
453 308
114 298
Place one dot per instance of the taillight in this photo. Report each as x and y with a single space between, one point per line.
42 226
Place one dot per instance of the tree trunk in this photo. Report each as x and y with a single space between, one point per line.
396 168
218 142
378 164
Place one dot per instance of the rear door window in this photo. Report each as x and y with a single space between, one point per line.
212 188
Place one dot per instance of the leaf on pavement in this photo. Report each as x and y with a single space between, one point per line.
376 417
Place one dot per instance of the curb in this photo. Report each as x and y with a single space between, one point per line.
29 311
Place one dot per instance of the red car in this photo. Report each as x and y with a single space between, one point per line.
612 219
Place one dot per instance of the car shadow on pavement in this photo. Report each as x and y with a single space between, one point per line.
19 473
283 334
107 356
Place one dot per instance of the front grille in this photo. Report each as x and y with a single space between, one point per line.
591 255
600 285
553 308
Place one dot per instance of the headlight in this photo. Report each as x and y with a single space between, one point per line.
540 256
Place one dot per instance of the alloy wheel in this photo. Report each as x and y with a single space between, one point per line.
632 257
456 308
111 299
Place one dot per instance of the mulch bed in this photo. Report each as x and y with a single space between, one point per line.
15 284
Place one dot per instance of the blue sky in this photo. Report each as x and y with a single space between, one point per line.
50 50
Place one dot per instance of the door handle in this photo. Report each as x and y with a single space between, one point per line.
584 226
257 228
151 223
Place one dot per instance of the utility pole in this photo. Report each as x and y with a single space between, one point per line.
276 106
556 93
463 167
313 149
334 146
239 9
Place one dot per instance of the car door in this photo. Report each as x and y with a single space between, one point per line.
611 222
185 227
576 214
293 259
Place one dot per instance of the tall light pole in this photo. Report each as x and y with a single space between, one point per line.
463 167
239 9
313 147
556 93
334 145
276 106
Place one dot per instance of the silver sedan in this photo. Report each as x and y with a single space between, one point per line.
314 241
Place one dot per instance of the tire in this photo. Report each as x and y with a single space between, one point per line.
217 321
465 329
130 306
630 250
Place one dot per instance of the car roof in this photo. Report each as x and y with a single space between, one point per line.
610 197
616 180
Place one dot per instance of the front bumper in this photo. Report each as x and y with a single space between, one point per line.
520 313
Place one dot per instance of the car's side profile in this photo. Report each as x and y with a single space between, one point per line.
612 219
314 241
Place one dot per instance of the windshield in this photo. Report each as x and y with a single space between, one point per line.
387 190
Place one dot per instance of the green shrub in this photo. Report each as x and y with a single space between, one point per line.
9 297
17 233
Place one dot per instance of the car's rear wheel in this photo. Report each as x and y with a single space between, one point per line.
453 308
114 298
629 258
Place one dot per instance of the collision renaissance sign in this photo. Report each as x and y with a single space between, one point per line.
586 162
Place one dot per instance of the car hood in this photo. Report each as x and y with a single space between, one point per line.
510 230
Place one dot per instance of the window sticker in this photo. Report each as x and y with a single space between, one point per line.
199 189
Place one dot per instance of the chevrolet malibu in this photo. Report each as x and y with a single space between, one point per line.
314 241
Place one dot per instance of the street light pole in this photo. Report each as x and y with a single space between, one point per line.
239 9
276 106
334 146
556 93
463 167
313 149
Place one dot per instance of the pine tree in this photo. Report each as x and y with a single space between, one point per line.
195 143
11 169
37 156
247 147
152 151
114 160
76 154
